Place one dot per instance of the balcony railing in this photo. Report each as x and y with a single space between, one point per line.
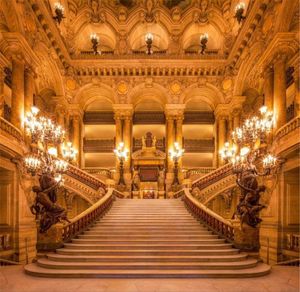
293 242
99 171
288 128
8 129
98 145
200 171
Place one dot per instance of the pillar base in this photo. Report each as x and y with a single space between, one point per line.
52 239
246 238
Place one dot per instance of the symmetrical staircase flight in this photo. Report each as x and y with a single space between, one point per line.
147 239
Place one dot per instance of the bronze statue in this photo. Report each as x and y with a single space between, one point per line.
248 207
45 205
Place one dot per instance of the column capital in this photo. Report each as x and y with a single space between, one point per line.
123 111
222 111
280 57
174 111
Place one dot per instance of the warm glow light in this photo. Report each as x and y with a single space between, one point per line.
94 36
149 37
176 152
240 5
121 152
204 37
244 151
69 153
52 151
58 6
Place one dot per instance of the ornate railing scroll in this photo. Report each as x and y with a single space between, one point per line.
219 225
83 220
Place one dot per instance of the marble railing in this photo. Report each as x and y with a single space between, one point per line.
223 227
288 128
7 129
200 171
104 172
83 220
293 241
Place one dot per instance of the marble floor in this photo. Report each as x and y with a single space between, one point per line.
281 279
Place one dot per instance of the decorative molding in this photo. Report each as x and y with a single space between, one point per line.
98 118
199 118
98 145
149 117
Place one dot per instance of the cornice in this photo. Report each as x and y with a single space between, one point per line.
283 43
244 36
15 43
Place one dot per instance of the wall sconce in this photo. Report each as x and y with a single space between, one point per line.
149 41
239 11
59 12
95 42
203 42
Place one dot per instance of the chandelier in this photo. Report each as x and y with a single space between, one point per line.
249 155
95 40
59 12
46 137
175 153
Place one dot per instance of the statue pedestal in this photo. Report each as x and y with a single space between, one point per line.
52 239
135 194
245 238
161 195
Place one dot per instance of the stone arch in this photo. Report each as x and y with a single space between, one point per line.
92 92
207 93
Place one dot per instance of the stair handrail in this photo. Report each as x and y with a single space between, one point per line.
85 177
215 222
84 219
213 176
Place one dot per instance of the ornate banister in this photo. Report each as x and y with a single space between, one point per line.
83 220
213 176
85 178
215 222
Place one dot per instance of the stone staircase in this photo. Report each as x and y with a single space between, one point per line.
147 239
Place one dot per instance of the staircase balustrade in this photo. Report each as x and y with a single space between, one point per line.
221 226
83 220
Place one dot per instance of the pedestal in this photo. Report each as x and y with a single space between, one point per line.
52 239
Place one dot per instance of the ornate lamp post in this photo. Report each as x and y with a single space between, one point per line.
121 153
175 154
59 12
149 40
253 154
203 42
43 161
239 12
95 42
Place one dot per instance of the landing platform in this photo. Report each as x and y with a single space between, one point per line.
282 279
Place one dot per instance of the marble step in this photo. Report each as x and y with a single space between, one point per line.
149 232
148 241
46 263
126 236
169 247
258 270
173 252
146 258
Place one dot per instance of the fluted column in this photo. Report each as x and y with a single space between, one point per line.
76 136
280 91
127 141
17 101
1 93
28 89
269 87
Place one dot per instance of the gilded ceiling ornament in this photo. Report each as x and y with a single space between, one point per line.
175 87
122 87
71 84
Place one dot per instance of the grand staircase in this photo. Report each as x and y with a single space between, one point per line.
147 239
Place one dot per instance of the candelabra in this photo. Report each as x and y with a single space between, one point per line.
121 152
175 153
95 43
250 139
239 12
69 153
149 41
203 42
43 160
59 12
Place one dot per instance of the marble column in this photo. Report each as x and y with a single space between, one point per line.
76 136
221 135
236 118
127 134
28 89
269 87
60 120
280 91
2 101
119 130
17 101
170 141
